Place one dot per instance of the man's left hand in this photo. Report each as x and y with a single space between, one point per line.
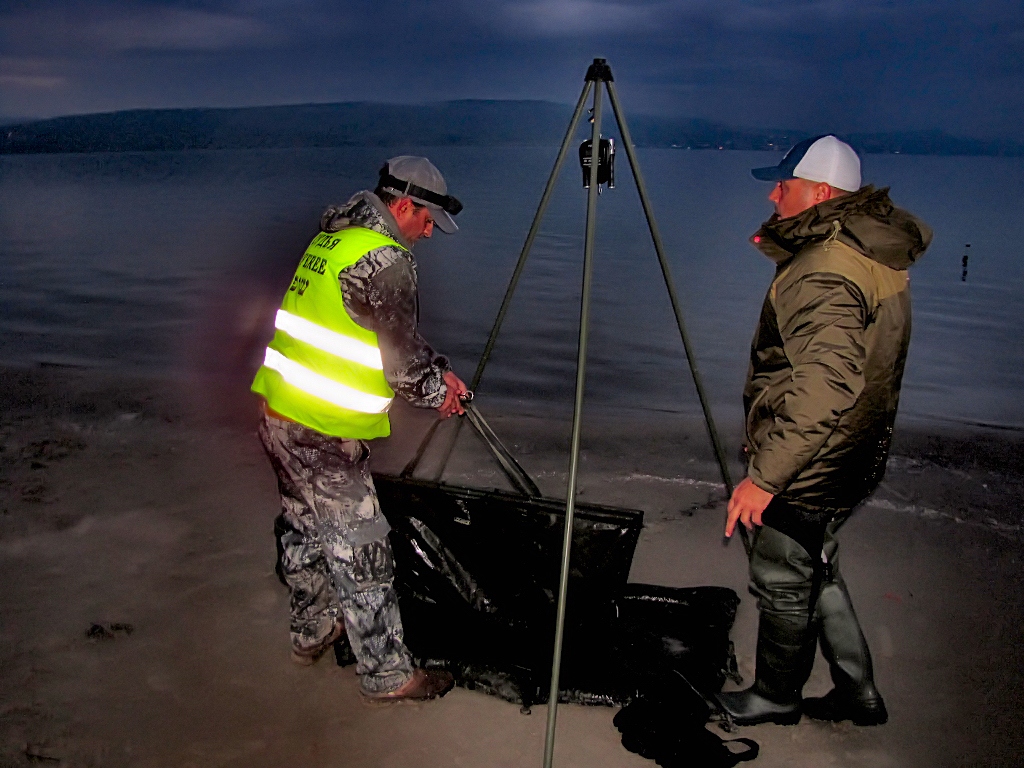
453 397
746 505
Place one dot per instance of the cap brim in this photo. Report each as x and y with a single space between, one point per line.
442 220
772 173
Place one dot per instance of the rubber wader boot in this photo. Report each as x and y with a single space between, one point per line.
854 697
785 654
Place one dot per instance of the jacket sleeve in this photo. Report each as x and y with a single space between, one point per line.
822 320
411 366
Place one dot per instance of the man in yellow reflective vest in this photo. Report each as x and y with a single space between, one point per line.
345 344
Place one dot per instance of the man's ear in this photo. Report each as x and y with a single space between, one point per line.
399 206
823 192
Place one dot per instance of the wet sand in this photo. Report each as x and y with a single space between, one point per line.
143 624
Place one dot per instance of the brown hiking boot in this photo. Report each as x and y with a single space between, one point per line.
424 684
307 657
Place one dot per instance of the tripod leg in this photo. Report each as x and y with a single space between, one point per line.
574 450
659 248
530 237
415 460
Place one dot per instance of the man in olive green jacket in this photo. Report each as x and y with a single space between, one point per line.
821 395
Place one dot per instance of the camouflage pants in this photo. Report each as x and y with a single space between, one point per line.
333 550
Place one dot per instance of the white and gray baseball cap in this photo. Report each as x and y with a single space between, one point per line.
417 178
821 158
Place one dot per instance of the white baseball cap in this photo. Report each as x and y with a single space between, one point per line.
418 178
821 158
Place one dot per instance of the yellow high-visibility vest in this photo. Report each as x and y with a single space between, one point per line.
322 369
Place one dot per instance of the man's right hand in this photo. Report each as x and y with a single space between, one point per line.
453 397
746 505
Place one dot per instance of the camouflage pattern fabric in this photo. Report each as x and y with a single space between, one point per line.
333 550
380 294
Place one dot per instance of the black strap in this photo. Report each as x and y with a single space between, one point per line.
446 202
809 532
752 748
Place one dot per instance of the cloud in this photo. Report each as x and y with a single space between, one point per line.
176 29
846 64
31 81
581 17
111 28
28 74
664 21
754 15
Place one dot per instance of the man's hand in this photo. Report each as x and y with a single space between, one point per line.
453 397
746 505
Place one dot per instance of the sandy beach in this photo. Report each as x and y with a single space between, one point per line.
143 624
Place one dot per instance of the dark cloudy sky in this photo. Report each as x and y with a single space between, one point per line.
846 65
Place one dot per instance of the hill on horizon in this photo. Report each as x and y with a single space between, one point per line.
467 122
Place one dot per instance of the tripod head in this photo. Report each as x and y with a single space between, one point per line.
599 71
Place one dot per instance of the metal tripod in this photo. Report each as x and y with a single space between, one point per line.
599 72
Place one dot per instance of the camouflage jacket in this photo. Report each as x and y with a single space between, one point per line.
828 356
380 294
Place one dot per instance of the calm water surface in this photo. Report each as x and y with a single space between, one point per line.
170 263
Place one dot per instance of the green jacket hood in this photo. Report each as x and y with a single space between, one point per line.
866 220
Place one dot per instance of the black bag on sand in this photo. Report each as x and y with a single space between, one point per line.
477 574
672 734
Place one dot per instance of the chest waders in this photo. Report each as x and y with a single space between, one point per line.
802 599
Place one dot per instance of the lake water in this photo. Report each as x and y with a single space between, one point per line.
172 263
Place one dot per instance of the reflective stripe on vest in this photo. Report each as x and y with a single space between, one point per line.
322 369
322 387
329 341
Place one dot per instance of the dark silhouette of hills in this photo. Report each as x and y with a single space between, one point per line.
467 123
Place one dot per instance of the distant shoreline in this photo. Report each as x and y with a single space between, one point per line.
453 123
